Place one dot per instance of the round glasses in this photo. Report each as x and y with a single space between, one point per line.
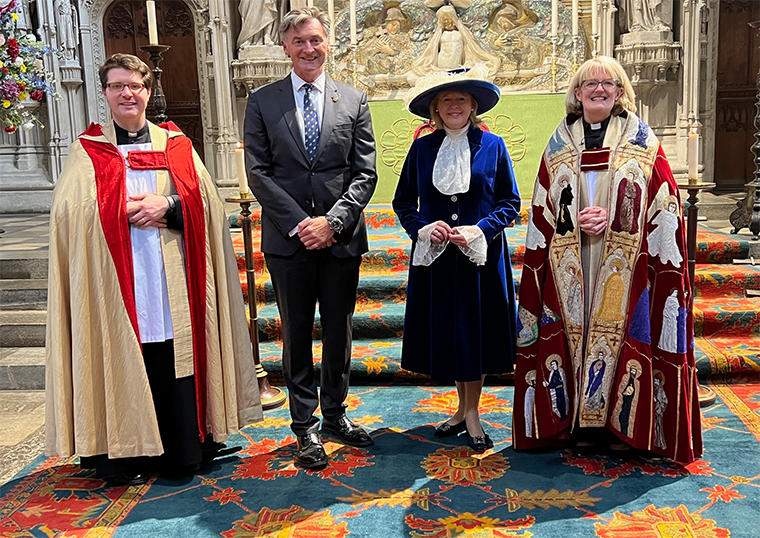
607 84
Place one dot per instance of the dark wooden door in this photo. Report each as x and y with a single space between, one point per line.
738 63
126 29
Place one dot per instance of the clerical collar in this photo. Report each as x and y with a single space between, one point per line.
126 137
593 133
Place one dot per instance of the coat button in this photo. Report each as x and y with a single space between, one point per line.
454 198
454 216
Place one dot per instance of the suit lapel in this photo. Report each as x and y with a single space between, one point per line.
288 105
329 114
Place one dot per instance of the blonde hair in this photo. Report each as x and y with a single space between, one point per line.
437 120
615 71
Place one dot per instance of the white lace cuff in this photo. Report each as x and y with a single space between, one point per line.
426 251
476 248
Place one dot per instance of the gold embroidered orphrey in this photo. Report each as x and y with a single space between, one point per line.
629 162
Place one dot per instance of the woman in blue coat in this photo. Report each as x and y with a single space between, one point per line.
455 196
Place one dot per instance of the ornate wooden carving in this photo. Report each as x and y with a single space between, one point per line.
178 22
120 23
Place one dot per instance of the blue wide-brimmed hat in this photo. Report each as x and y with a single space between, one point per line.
471 81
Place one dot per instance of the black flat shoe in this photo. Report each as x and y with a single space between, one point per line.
479 444
127 479
347 431
447 430
310 454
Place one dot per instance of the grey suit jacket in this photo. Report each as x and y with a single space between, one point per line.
289 187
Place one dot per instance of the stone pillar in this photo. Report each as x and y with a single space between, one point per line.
222 44
607 19
689 113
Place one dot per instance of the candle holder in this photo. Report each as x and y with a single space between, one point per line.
271 397
705 393
576 38
159 99
554 64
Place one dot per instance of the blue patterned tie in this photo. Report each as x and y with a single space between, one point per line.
310 123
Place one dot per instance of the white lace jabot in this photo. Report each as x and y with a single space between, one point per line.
451 171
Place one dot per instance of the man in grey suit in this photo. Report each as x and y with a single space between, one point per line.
310 153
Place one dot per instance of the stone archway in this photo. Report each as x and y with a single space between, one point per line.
125 30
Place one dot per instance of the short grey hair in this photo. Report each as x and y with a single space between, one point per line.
297 17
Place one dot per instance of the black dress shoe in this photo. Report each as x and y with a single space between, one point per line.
347 431
447 430
479 443
310 454
128 478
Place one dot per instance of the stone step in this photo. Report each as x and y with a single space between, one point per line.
23 294
22 328
18 264
22 368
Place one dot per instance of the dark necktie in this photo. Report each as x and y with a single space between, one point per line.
310 122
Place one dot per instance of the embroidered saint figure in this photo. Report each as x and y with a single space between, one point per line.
556 384
564 220
574 296
612 299
595 398
527 327
629 200
660 404
669 334
530 397
628 398
662 240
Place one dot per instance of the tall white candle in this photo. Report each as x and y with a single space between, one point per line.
152 26
331 15
555 17
692 154
242 176
594 17
575 17
352 17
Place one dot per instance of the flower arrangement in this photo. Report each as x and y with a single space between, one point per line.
22 73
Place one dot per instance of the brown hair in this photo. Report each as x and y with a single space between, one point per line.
128 62
297 17
437 120
615 71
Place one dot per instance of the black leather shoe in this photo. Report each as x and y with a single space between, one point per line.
310 454
347 431
128 478
478 443
447 430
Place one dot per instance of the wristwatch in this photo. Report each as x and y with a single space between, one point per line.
335 223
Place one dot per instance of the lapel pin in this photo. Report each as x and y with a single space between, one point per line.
335 98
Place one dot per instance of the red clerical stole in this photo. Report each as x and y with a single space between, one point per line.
595 159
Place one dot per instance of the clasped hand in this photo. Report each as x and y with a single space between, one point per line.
147 209
443 232
315 233
593 220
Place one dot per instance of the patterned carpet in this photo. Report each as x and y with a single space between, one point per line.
410 484
727 321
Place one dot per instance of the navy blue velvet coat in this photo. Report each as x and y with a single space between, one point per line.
460 317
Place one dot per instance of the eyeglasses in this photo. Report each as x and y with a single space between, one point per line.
118 87
591 85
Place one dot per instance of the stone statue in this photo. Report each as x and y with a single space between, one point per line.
261 21
646 15
387 42
452 46
67 23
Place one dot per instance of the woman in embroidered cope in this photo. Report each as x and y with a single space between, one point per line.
455 196
629 238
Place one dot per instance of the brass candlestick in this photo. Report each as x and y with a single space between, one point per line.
271 397
159 99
